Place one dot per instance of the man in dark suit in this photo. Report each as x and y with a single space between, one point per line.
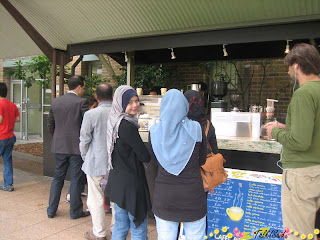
64 124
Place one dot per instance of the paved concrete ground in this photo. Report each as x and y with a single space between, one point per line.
23 211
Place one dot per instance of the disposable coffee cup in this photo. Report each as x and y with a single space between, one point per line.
139 91
163 91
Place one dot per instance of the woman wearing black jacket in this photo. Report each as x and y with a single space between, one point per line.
127 184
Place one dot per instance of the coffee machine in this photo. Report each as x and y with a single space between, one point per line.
218 91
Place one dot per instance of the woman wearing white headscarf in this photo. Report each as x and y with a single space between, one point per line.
127 184
179 145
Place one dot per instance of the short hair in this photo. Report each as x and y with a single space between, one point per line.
104 91
75 81
156 89
307 56
3 90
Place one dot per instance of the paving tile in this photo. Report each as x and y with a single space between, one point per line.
15 211
32 218
10 226
75 232
34 232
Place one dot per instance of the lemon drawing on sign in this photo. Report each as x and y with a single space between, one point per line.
238 174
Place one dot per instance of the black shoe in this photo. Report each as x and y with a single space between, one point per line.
82 214
51 215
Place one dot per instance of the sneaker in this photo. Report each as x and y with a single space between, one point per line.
8 188
68 198
84 194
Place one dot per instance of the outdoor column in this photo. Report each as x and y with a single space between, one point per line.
53 76
61 76
130 69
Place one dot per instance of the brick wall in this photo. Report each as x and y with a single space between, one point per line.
115 65
275 85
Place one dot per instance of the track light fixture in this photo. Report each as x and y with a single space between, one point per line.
287 47
125 57
172 54
225 53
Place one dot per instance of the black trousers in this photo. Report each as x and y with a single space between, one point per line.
63 162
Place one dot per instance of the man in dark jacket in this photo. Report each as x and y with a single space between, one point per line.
64 124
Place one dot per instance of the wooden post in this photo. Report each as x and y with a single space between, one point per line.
53 76
61 76
130 69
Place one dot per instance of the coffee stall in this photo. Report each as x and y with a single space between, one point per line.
198 32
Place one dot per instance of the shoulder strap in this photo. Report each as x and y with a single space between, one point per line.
207 131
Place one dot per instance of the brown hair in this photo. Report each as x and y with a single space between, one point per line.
307 56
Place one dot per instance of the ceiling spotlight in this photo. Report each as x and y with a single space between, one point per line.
225 53
172 54
287 47
125 57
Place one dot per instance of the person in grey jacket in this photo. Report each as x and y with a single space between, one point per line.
93 148
64 122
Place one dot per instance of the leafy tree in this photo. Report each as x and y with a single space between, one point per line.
147 76
40 67
92 83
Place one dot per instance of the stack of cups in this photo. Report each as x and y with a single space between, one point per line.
139 91
163 91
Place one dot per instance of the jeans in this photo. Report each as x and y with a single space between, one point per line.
6 147
63 162
124 221
83 183
168 230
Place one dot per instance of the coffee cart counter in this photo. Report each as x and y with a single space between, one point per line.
240 144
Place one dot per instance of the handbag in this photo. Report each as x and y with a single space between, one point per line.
212 172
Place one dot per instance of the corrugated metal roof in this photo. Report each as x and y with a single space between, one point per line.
63 22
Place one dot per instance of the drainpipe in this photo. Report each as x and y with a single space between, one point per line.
73 68
130 69
53 76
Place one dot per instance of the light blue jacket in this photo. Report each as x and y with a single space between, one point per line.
93 140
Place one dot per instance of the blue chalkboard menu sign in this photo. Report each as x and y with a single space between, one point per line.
246 206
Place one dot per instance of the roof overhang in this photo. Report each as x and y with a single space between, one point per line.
86 27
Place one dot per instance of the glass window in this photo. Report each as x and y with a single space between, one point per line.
95 69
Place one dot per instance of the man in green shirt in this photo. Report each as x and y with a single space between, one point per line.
300 137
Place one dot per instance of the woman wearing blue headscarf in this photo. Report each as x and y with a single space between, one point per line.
127 184
179 145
